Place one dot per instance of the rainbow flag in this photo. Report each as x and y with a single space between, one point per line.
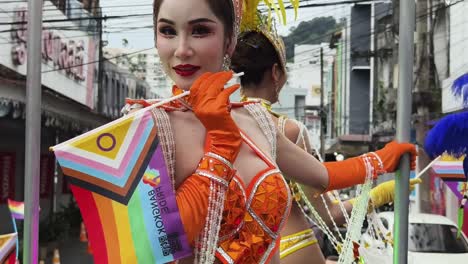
450 168
121 183
16 209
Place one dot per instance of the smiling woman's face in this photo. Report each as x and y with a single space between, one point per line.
190 40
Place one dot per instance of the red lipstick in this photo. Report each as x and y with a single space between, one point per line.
186 70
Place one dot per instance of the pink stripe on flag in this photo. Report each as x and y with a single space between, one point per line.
453 167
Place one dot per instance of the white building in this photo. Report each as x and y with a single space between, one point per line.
144 64
304 74
455 30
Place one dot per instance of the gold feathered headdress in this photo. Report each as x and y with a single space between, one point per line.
237 8
252 20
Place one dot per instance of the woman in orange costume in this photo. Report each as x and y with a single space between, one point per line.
260 54
232 198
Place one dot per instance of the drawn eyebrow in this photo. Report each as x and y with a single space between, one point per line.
164 20
199 20
191 22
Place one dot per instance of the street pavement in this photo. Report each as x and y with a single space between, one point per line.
72 251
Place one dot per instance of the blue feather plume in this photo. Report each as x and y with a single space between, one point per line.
460 88
450 134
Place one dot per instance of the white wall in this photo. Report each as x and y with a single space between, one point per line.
458 55
304 72
287 100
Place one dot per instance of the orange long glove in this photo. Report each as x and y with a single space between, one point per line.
350 172
210 103
392 152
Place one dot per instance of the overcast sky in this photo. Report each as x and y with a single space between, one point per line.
143 38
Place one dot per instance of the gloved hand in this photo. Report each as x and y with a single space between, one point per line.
392 152
210 103
353 171
384 193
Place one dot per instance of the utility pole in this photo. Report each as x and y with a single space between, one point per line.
100 71
375 73
322 110
373 66
405 84
33 133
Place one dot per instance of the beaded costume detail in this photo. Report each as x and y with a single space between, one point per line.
252 215
267 204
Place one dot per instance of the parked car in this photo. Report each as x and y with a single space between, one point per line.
432 239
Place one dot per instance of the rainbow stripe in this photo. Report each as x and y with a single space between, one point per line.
146 230
16 209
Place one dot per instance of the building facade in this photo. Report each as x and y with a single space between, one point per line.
146 65
73 101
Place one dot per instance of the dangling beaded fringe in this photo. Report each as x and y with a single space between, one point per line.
205 248
358 214
264 120
167 141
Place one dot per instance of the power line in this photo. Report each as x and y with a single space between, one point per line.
77 19
82 8
295 55
97 61
86 18
362 36
151 14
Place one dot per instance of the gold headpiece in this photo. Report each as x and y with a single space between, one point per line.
252 20
237 5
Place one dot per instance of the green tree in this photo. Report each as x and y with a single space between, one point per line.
315 31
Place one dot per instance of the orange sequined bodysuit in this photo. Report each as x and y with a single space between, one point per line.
253 214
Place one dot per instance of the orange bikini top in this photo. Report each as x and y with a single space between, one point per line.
254 215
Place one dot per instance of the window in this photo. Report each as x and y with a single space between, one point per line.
384 222
89 5
60 4
435 238
111 96
299 107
